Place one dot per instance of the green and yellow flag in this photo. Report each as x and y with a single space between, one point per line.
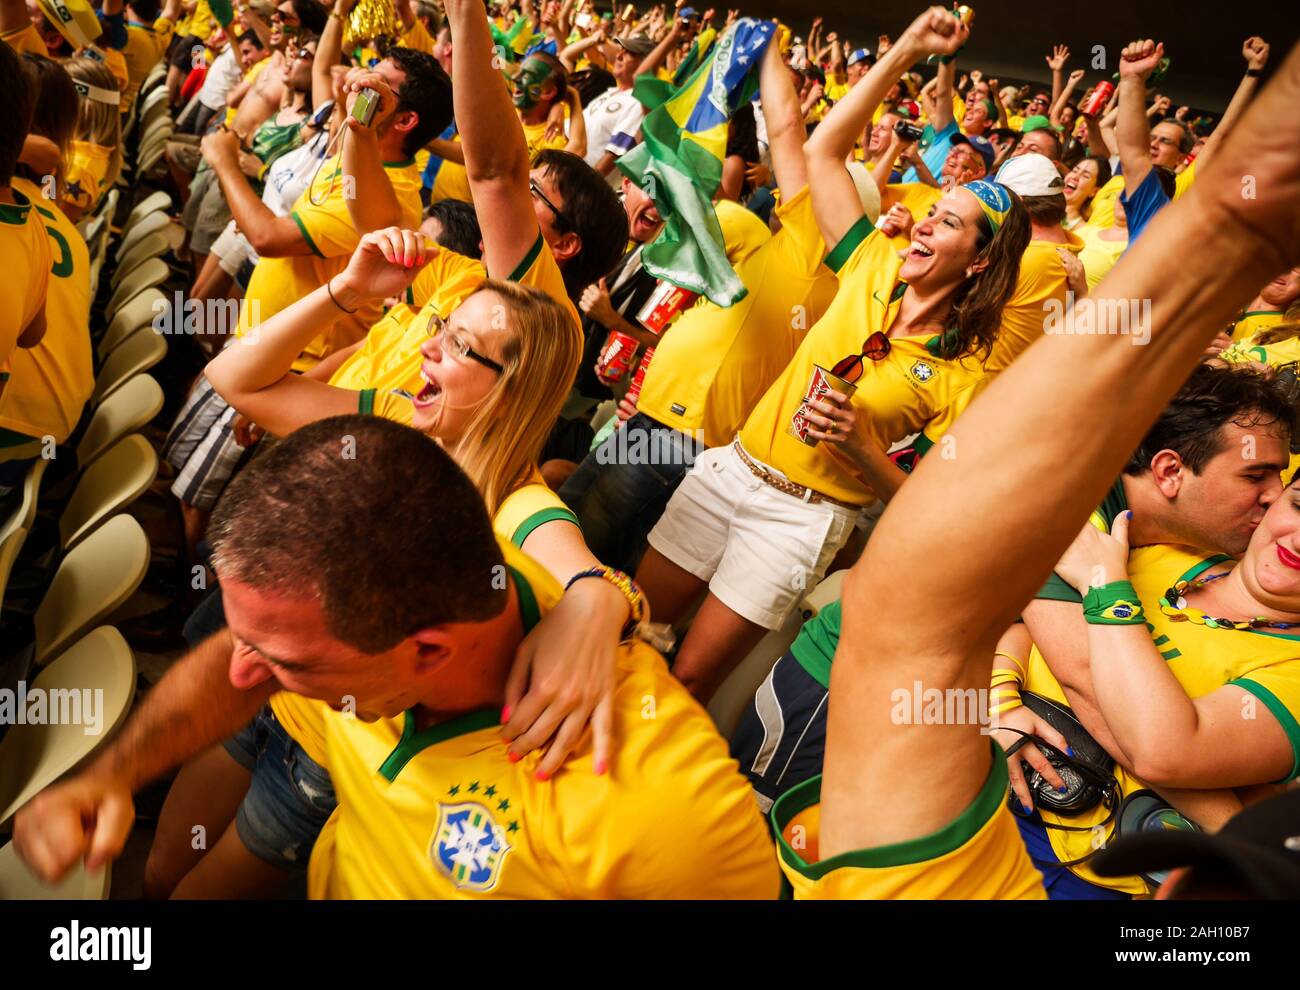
679 164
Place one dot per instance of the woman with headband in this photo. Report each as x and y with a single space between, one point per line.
897 355
95 155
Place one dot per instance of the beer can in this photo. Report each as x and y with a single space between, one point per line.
821 382
615 357
664 304
965 14
634 387
1095 102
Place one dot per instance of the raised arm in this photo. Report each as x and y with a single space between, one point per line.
1060 102
1255 52
835 198
785 127
941 116
1132 131
1056 62
253 375
270 235
984 562
375 204
496 155
329 52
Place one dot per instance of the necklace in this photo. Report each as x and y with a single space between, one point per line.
1174 604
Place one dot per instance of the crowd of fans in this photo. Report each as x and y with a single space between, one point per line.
553 342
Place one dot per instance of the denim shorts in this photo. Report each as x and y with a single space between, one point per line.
289 798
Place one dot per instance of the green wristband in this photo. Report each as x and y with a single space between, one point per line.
1114 604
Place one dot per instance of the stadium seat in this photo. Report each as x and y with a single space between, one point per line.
735 693
150 275
139 352
108 486
25 515
96 577
34 756
18 884
150 246
137 314
125 411
152 203
150 223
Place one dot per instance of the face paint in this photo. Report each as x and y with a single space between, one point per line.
527 85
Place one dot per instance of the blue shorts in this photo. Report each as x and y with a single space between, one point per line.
1060 883
289 798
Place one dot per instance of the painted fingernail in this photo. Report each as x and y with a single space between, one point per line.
1062 789
505 714
542 775
512 756
1069 750
1028 809
601 767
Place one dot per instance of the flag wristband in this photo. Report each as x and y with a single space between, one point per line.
626 587
1113 604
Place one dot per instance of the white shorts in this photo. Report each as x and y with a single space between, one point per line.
232 249
760 549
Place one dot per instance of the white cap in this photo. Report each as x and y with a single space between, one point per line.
1031 175
868 191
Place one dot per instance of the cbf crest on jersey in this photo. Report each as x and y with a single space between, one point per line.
469 846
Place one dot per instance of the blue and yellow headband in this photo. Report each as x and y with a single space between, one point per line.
994 199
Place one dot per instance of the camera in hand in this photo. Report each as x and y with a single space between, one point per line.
908 131
363 110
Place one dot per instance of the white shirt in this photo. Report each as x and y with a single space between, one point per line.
613 119
223 74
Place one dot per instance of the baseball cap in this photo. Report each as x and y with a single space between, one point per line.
1031 175
688 12
858 55
637 44
1259 848
981 144
868 190
1037 123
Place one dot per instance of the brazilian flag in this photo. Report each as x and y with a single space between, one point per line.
680 163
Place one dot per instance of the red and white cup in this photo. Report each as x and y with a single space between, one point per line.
634 387
819 385
663 306
616 357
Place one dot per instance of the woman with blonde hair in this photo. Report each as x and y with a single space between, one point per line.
95 155
496 370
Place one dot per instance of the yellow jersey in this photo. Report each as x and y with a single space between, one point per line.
199 23
145 44
977 856
451 182
1263 663
25 39
911 390
1251 323
442 813
84 181
329 232
418 38
1098 255
917 197
535 137
52 381
1042 277
26 260
712 364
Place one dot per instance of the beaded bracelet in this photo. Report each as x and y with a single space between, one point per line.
626 586
1113 604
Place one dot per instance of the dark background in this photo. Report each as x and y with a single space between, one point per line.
1011 38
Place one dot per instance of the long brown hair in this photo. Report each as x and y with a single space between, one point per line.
54 115
540 354
1277 333
976 314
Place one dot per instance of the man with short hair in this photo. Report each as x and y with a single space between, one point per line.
386 660
1038 138
148 33
614 117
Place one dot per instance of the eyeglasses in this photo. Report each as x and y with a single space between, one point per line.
874 348
457 345
306 54
536 190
